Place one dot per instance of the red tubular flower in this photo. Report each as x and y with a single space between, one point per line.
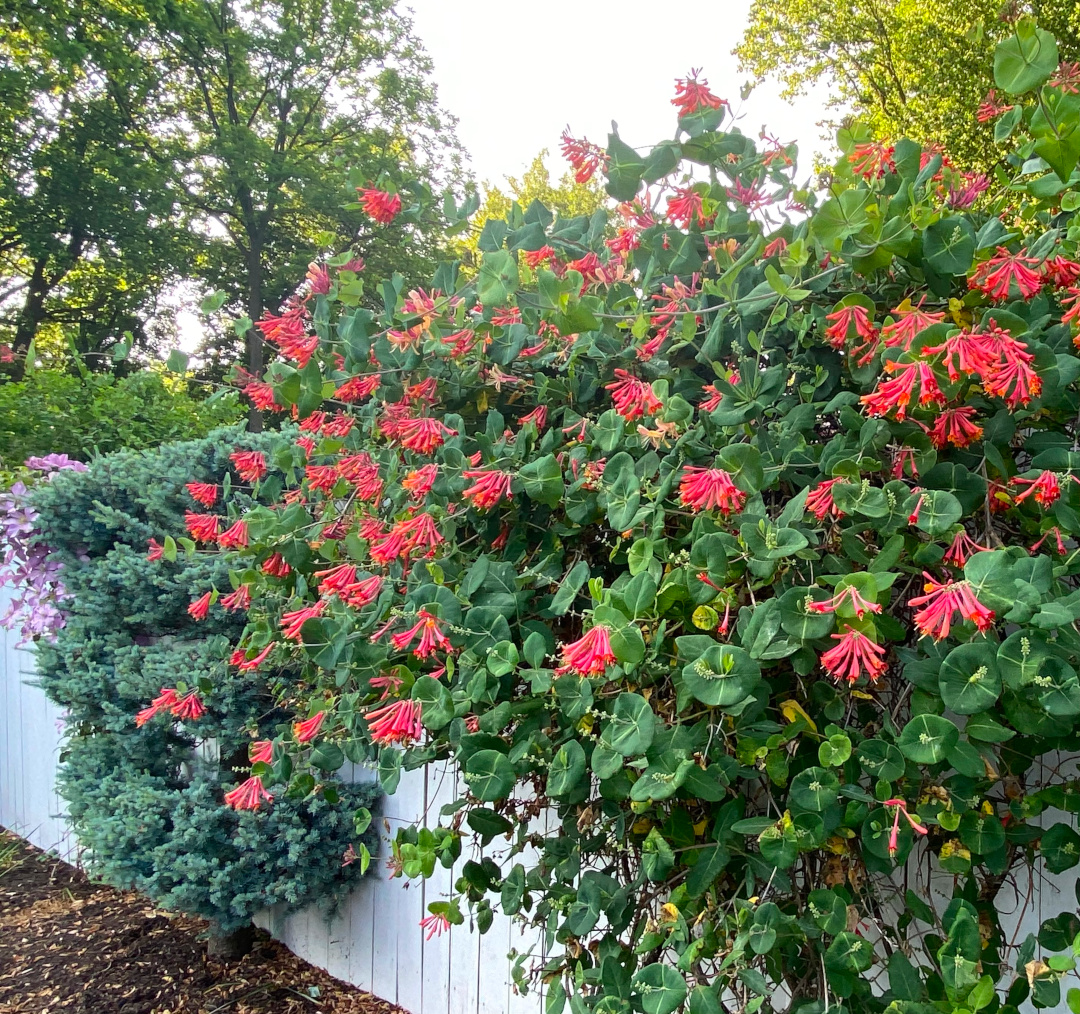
939 603
961 549
901 807
775 248
321 478
289 333
910 321
488 488
261 752
434 925
849 595
896 394
423 435
205 493
247 664
318 279
712 402
379 205
692 94
313 423
398 722
420 533
685 207
710 489
432 639
335 579
306 731
996 276
237 600
1013 378
250 465
965 352
855 654
844 319
1067 78
991 108
871 159
954 426
156 551
292 622
904 456
262 396
190 706
164 702
275 566
418 482
632 397
202 527
1056 533
235 536
534 258
1060 272
590 655
362 593
363 473
1045 488
538 416
820 502
200 607
249 796
584 156
357 388
964 196
388 547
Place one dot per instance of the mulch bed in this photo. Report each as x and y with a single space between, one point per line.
67 944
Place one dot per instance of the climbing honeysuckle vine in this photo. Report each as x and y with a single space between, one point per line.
735 529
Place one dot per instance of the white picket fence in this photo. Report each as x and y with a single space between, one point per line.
375 940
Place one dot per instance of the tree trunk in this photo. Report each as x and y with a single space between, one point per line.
229 946
253 340
30 318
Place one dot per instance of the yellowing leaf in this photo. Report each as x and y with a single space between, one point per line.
669 913
792 710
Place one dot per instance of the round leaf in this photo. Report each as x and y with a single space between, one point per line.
926 739
489 775
968 679
722 677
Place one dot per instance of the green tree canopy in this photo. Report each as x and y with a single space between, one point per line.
916 69
215 142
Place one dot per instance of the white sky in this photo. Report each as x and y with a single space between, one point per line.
515 74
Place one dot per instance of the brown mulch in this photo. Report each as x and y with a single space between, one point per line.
67 944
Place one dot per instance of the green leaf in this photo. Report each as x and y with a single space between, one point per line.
938 512
926 739
632 725
498 277
880 759
850 953
1025 60
177 361
567 769
437 705
489 775
542 480
949 245
568 590
722 677
814 789
327 756
625 168
661 988
1060 848
968 679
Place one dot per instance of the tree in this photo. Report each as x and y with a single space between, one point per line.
203 141
910 69
568 197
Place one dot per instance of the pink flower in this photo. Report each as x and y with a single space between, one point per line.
306 731
379 205
1045 488
854 654
710 489
419 481
991 108
201 606
431 637
237 600
203 527
962 548
235 536
685 207
434 924
261 752
205 493
249 796
292 622
156 550
901 807
165 702
396 722
590 655
939 603
819 500
996 276
692 94
190 706
849 595
584 156
250 465
488 488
